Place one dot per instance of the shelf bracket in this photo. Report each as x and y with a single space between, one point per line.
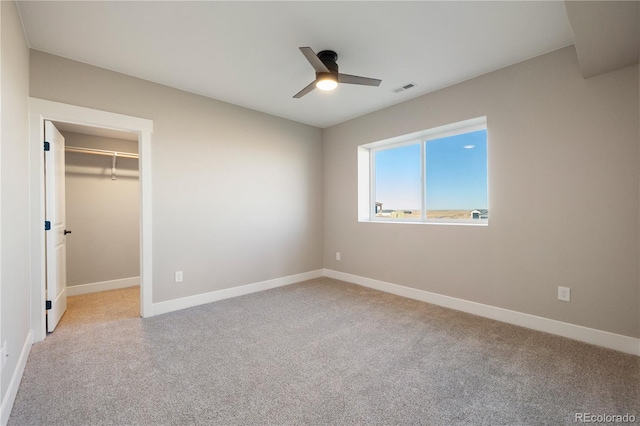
113 165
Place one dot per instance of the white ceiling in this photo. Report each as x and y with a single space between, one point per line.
246 53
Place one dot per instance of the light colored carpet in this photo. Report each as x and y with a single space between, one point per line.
318 352
106 306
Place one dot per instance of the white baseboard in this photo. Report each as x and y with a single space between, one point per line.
214 296
605 339
76 290
12 390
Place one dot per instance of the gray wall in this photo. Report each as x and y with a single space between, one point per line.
237 194
14 190
103 214
563 196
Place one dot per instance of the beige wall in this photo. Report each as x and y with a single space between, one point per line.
563 196
237 194
103 214
15 189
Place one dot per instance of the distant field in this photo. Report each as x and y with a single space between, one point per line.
448 214
431 214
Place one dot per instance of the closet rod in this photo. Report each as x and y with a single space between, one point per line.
101 152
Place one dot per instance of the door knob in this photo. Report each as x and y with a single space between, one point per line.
66 232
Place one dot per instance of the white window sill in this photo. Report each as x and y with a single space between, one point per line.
463 222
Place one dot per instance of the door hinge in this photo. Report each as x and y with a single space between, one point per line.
47 146
47 225
47 305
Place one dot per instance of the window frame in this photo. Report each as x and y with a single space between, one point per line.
367 171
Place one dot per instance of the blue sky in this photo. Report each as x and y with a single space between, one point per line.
456 176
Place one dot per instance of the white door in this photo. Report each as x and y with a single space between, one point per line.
55 237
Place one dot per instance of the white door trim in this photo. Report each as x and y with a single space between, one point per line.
1 406
40 110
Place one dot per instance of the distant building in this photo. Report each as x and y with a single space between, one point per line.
480 214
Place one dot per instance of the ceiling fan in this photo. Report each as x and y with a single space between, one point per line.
327 75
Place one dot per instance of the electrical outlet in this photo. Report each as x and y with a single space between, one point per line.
337 255
177 277
564 294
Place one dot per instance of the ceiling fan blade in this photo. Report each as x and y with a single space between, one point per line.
313 59
354 79
306 90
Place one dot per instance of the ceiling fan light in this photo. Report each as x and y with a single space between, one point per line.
327 82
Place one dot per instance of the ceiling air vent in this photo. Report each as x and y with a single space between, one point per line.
403 88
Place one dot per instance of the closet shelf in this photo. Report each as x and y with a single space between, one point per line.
113 154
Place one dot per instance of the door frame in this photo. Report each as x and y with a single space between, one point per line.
41 110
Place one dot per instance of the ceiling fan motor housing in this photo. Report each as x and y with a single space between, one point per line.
329 58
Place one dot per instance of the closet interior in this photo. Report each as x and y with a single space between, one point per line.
102 209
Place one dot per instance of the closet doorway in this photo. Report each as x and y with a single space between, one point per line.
40 111
102 186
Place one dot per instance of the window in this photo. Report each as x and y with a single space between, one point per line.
397 181
438 175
